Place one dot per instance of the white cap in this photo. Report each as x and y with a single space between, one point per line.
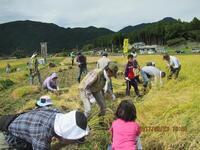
65 125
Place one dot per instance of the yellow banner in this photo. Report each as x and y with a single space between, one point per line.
125 46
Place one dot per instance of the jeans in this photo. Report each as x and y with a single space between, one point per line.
145 78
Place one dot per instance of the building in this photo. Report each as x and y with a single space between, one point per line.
148 49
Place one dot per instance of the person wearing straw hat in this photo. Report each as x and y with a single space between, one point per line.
35 129
92 85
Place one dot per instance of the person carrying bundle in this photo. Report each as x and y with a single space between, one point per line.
92 85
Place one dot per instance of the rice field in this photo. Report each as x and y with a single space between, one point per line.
168 115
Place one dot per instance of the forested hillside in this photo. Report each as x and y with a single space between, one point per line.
24 37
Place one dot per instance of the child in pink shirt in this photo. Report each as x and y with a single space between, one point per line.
125 131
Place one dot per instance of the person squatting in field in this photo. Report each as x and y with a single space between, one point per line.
149 73
101 64
125 130
82 64
36 128
92 85
174 65
130 77
50 83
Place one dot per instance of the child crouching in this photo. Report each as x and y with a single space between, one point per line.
125 131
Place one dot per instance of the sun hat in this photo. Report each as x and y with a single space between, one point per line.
71 126
113 67
44 101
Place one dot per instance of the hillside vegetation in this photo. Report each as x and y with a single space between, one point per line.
168 115
24 37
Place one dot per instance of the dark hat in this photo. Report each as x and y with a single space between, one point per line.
104 54
166 56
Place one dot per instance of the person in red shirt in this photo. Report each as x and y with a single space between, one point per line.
130 77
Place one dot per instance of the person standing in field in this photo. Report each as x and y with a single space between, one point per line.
33 66
92 85
174 65
101 64
72 57
136 67
125 130
8 68
130 77
151 72
82 64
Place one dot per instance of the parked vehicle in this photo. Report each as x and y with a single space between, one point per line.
196 50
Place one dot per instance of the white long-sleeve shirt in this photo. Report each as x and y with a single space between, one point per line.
174 62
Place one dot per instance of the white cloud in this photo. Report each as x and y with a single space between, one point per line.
113 14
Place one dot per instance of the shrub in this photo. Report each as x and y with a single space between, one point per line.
5 84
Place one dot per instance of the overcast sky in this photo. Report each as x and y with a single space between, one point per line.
112 14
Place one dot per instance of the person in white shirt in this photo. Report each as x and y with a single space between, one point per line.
174 65
102 63
149 73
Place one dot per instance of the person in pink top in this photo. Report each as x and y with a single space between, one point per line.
125 131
